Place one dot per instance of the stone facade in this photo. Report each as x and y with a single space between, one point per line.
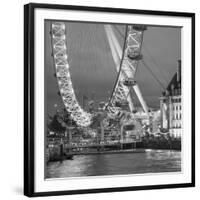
171 106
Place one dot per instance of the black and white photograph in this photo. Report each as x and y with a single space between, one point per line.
109 101
113 103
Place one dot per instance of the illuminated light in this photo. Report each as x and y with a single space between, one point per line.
67 66
63 26
81 117
128 66
128 69
53 26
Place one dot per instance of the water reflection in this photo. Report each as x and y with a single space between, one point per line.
151 161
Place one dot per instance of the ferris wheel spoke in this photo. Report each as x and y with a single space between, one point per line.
129 63
126 62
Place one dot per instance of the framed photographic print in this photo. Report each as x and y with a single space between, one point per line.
108 99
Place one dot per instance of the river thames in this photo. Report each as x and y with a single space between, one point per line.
150 161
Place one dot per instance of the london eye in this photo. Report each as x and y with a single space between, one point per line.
125 60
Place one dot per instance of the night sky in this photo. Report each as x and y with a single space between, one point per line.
92 67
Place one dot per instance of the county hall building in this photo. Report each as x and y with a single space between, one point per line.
171 107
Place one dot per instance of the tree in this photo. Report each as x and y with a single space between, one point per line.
58 122
55 125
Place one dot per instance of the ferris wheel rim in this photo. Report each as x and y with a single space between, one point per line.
81 115
76 111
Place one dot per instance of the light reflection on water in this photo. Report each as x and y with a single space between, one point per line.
151 161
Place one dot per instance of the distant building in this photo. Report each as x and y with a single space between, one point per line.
155 125
171 107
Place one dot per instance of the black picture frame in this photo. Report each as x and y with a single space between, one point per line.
29 95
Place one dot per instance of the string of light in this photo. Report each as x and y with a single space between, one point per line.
59 47
126 68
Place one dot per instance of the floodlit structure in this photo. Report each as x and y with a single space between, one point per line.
170 105
59 47
126 62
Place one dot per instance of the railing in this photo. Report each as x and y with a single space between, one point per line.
53 142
